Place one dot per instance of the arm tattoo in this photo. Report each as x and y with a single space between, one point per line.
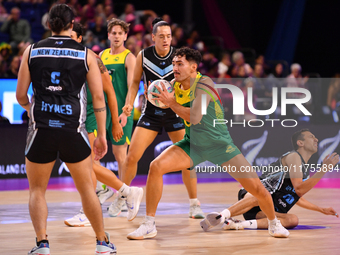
101 65
99 109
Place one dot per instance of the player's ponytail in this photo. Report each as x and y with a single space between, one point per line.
60 18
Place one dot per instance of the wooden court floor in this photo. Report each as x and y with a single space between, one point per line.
177 233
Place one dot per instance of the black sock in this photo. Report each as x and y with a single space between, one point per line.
42 241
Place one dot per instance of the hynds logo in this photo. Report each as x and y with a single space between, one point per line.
282 203
54 88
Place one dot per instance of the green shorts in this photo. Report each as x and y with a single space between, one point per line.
91 126
216 155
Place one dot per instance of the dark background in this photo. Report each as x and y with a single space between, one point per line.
252 23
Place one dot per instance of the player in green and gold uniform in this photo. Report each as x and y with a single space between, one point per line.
202 142
120 63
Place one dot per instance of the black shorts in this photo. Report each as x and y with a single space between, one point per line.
251 214
159 119
280 201
43 145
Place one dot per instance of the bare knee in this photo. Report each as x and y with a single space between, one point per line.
259 192
155 167
291 222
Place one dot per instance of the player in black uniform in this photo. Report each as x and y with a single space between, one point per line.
155 62
58 67
287 185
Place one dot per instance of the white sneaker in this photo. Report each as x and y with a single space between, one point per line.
133 202
145 230
124 208
115 208
232 224
213 219
106 248
277 230
78 220
104 194
196 212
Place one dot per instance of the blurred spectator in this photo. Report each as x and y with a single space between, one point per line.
3 119
167 18
147 23
130 9
278 71
89 12
238 61
100 13
99 32
5 52
44 20
223 65
3 13
133 44
295 79
275 79
258 71
96 49
19 30
248 115
22 47
178 38
108 10
333 94
12 72
88 39
209 65
261 60
76 7
262 90
195 42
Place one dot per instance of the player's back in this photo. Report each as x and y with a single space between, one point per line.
58 67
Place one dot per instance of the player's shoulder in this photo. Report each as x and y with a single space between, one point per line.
290 158
206 82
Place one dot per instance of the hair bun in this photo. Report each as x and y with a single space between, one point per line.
156 20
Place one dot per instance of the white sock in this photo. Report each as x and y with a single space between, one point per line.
149 219
124 190
272 222
193 201
249 224
226 213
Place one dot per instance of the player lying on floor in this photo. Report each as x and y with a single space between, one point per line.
286 186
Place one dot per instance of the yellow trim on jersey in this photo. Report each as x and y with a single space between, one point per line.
185 96
109 59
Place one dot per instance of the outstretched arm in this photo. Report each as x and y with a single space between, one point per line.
304 203
293 162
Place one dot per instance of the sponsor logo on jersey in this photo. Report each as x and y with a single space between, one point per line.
54 88
282 203
59 42
230 149
117 58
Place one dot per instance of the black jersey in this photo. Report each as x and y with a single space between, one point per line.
58 68
278 181
155 68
